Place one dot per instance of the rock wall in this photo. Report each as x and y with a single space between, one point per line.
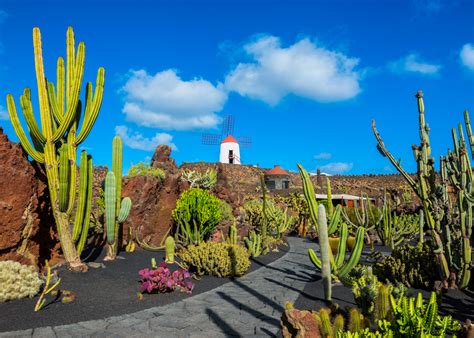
153 200
26 222
244 181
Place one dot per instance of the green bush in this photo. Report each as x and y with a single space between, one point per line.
143 169
412 265
196 215
217 259
226 212
18 281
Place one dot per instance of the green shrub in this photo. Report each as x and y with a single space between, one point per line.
412 265
226 212
143 169
18 281
217 259
196 214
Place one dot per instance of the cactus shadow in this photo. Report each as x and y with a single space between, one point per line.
301 292
303 274
255 313
222 324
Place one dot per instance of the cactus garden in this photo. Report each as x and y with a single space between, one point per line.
118 218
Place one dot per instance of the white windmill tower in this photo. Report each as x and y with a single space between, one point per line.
229 146
230 151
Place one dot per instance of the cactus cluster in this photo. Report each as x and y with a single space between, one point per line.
55 144
297 203
18 281
394 229
254 244
216 259
449 226
412 265
116 208
206 180
338 265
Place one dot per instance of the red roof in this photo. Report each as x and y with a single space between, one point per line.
229 139
277 170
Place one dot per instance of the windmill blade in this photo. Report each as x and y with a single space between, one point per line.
244 141
211 139
228 125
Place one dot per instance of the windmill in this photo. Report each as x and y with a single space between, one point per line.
229 145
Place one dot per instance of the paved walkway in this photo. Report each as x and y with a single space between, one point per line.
249 306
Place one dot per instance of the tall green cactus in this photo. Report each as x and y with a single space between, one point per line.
451 231
325 252
116 208
55 144
339 266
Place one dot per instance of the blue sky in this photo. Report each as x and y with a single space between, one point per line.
303 78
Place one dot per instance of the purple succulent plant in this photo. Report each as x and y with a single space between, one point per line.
162 280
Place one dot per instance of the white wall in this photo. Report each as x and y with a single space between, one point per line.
224 153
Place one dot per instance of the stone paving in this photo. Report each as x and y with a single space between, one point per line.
248 306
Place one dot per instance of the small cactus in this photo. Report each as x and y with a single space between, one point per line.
169 249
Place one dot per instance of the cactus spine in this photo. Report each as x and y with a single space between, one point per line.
451 231
169 250
116 208
55 144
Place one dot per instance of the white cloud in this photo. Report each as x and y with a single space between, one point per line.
3 113
135 140
336 167
413 64
323 156
303 69
467 55
165 101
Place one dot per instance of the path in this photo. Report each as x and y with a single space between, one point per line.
249 306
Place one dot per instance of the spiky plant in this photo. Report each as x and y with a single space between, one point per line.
54 144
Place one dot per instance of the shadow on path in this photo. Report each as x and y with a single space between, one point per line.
222 324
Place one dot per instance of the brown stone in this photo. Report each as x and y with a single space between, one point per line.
26 222
162 159
299 323
153 202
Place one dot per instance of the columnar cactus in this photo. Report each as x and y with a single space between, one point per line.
325 252
341 267
451 231
233 238
116 208
169 250
55 144
254 244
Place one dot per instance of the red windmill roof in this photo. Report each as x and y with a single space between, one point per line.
229 139
277 170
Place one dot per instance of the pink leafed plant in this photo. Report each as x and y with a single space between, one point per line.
162 280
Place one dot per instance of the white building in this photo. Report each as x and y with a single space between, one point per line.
230 151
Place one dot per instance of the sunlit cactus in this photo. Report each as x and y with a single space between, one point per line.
116 208
55 138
